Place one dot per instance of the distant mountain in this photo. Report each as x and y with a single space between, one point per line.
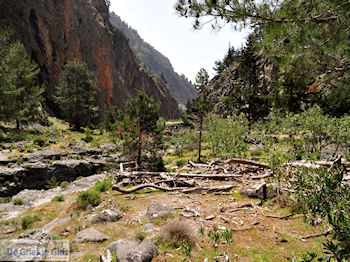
180 87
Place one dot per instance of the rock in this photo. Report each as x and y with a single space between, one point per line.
108 215
34 234
8 229
156 210
53 154
130 250
210 217
90 235
260 191
330 152
149 228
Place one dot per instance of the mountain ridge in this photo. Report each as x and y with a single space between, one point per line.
180 87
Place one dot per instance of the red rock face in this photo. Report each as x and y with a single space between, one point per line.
57 31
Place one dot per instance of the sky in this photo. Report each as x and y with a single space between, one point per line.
188 50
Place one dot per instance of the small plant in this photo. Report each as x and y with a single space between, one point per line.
201 231
214 235
79 177
186 248
20 161
58 198
28 221
103 186
180 163
177 231
140 236
64 184
124 208
54 237
18 202
90 197
52 183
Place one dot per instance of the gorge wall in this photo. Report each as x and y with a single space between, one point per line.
57 31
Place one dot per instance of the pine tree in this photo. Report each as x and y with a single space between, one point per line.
19 91
200 107
142 137
76 95
230 57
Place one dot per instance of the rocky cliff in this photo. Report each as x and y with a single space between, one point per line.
56 31
180 87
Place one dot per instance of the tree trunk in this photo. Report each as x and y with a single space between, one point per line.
200 139
139 148
17 124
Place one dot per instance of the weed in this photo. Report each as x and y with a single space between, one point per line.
52 183
124 208
140 236
103 186
177 231
18 202
58 198
28 221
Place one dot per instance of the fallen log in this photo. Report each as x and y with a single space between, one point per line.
208 189
279 217
263 176
184 175
316 235
246 162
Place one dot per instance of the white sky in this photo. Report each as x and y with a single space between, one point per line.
158 24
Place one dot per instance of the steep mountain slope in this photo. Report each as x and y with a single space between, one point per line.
55 32
180 87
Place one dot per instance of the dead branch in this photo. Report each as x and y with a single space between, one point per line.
246 162
316 235
279 217
246 228
208 189
184 175
263 176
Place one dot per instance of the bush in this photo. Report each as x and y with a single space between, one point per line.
176 232
58 199
18 202
52 183
322 192
64 184
103 186
28 221
90 197
140 236
181 162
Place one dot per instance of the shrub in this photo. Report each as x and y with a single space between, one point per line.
140 236
52 183
177 231
18 202
64 184
90 197
58 198
181 163
29 220
103 186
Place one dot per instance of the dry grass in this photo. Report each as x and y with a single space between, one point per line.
177 231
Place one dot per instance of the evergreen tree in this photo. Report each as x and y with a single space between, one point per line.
310 45
76 95
250 96
230 57
19 91
142 139
200 107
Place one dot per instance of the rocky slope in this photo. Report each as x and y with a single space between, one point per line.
180 87
55 32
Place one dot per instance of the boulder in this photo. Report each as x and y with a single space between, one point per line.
260 191
156 210
90 235
130 250
108 215
330 152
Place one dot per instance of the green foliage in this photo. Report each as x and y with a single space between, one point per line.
103 186
17 201
229 59
197 111
323 193
19 91
226 135
76 95
27 221
64 184
52 183
143 133
140 236
58 198
90 197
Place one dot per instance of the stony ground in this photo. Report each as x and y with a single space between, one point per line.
261 231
